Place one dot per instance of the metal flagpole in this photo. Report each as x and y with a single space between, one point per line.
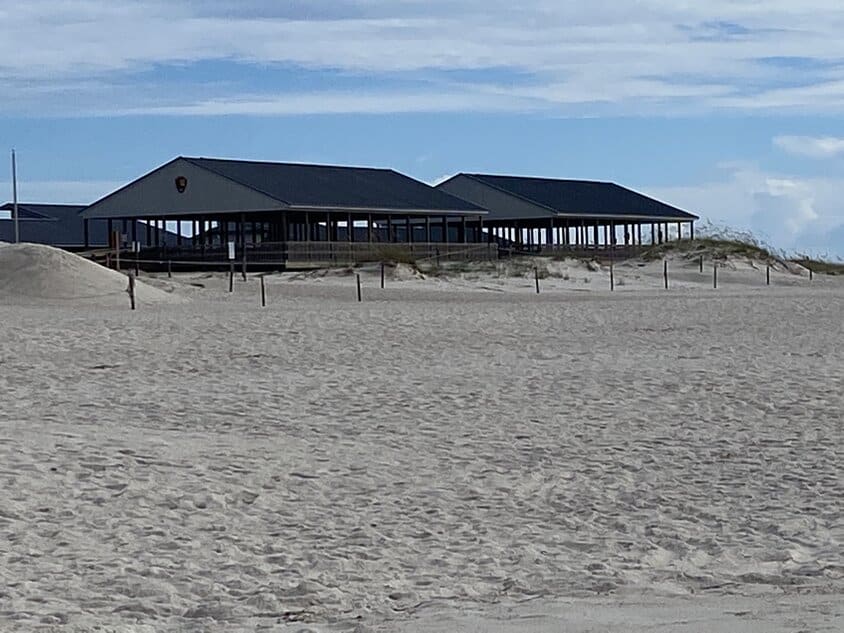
15 198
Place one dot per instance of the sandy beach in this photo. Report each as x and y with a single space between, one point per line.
451 454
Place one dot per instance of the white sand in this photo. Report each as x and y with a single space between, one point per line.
427 459
43 274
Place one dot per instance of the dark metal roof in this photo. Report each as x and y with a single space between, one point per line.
583 197
324 186
61 225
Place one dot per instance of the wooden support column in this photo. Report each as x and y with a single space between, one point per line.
445 229
428 228
691 230
350 228
408 229
463 229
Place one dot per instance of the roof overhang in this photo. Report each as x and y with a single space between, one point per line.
387 210
626 216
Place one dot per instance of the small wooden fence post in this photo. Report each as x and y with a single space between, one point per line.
536 275
263 293
715 275
665 272
231 277
382 275
132 291
768 276
360 297
612 277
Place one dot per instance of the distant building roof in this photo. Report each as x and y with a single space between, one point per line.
59 225
326 186
583 198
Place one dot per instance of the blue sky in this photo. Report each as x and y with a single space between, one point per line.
730 108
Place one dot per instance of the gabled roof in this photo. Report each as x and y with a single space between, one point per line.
324 186
582 197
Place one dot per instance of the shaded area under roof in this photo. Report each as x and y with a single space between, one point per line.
583 197
61 225
325 186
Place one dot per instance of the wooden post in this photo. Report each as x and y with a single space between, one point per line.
715 275
132 291
263 293
612 277
137 247
768 279
243 263
231 276
382 275
811 274
701 263
536 275
169 269
360 297
665 272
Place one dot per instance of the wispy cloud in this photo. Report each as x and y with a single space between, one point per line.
650 56
59 191
811 146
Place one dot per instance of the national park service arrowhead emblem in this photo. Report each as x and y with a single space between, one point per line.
181 184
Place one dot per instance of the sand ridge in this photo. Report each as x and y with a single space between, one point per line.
39 273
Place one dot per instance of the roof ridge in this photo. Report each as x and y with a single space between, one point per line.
193 161
545 178
284 163
479 178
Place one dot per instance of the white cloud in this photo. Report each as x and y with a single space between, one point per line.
788 212
333 103
643 56
811 146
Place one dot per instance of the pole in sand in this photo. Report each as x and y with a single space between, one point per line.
715 276
382 275
536 276
131 291
665 272
231 266
263 293
768 276
701 263
360 297
811 274
612 277
169 268
15 197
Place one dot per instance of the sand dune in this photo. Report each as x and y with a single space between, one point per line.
39 273
427 456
